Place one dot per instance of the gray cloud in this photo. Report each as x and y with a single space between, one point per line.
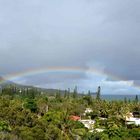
80 33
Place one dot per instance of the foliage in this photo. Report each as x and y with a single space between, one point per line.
25 114
31 104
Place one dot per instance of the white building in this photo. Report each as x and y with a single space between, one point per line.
88 123
97 130
131 120
88 110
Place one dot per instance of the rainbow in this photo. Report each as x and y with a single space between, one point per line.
47 70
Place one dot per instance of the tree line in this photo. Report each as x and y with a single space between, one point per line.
29 114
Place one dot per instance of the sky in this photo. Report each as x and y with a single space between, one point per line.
103 35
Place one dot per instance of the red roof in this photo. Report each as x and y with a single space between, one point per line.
75 118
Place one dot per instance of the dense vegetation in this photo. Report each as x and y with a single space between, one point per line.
28 114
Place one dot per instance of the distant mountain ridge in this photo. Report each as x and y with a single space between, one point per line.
5 83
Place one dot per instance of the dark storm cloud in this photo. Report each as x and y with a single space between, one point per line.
81 33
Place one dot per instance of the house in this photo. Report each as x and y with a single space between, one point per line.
136 114
133 120
97 130
130 119
88 110
75 118
88 123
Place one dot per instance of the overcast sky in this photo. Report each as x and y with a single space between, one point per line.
99 34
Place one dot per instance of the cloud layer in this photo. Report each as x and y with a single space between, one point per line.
75 33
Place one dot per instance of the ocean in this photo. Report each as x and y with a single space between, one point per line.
119 97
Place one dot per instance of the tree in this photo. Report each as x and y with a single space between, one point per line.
58 95
4 127
31 104
98 95
75 92
88 98
112 129
68 96
35 133
136 99
125 100
65 94
42 104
